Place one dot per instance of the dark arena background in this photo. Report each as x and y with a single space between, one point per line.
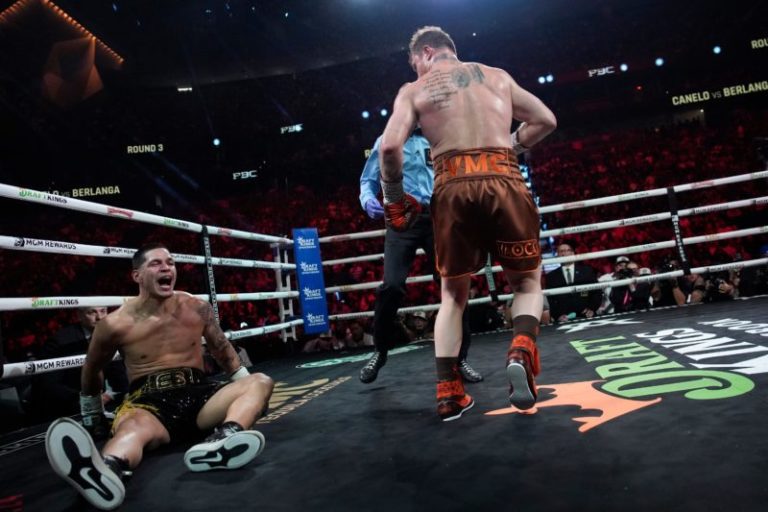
258 116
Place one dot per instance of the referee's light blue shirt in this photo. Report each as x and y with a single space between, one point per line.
418 176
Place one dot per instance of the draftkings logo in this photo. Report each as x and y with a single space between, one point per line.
312 293
310 268
635 374
306 243
313 319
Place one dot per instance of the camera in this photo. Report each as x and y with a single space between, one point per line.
624 273
668 267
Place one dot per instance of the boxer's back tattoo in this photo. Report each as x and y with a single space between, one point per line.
442 85
477 73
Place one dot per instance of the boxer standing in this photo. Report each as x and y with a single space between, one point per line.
480 202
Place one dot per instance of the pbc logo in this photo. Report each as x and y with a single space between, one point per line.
428 156
29 368
607 70
245 175
19 242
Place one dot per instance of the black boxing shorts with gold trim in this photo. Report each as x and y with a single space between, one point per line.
174 396
481 205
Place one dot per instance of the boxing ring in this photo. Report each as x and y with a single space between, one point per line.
614 427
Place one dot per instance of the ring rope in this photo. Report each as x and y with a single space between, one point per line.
76 204
598 226
60 247
30 367
11 370
653 192
36 196
39 303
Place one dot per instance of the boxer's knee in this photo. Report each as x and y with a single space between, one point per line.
141 426
263 382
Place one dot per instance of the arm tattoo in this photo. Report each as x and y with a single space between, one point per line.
214 334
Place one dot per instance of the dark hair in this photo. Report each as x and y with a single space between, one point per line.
139 257
432 36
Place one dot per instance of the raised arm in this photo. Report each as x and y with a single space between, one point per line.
538 120
218 344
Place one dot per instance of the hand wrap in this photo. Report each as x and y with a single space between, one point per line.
400 209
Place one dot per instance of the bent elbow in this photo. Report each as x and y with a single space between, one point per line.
550 121
389 151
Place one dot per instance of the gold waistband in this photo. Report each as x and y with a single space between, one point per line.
169 379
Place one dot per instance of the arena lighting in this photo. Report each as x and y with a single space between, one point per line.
659 61
184 88
716 50
384 112
624 67
550 78
216 142
542 80
366 114
68 19
15 8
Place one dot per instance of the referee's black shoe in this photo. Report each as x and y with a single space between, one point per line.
370 371
468 373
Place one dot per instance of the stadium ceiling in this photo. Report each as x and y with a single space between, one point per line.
198 42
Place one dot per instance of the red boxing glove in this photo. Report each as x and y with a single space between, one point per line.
400 209
402 214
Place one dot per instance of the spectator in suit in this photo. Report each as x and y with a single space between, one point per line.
57 393
575 305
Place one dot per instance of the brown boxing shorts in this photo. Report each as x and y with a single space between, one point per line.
481 205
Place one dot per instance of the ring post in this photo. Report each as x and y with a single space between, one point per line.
309 271
684 263
210 284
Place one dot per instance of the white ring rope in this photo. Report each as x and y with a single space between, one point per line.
643 219
652 193
40 303
34 303
603 225
36 196
59 247
49 365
